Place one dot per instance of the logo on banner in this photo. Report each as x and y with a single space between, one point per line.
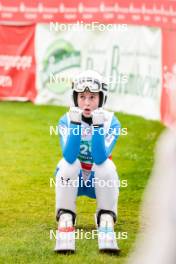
60 58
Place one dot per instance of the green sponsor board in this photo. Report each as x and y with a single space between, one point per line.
60 57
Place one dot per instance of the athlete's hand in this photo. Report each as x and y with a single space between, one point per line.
75 114
98 117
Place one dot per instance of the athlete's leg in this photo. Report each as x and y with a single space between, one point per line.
107 191
66 192
67 185
106 186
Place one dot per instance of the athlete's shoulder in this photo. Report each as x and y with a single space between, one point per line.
110 119
108 113
115 121
64 120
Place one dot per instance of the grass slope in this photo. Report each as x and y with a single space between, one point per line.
28 157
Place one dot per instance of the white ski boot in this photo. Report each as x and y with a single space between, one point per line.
65 235
106 235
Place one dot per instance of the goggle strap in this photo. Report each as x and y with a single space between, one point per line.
104 87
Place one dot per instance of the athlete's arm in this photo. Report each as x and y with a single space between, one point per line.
102 145
70 138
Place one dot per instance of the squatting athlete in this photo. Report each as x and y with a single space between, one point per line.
88 134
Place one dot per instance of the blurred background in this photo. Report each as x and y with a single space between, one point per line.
45 43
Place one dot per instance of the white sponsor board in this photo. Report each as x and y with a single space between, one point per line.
130 59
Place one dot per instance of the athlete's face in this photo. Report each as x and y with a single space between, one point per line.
88 102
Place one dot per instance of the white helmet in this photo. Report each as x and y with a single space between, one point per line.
92 81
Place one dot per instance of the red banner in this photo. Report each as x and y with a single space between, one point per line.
169 73
17 63
161 13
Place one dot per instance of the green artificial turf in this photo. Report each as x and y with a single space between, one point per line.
28 158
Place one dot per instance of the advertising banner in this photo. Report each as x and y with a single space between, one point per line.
17 63
158 13
169 74
128 56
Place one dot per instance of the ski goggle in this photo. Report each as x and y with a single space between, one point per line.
92 85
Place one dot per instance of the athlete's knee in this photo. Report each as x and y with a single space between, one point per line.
66 169
107 167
